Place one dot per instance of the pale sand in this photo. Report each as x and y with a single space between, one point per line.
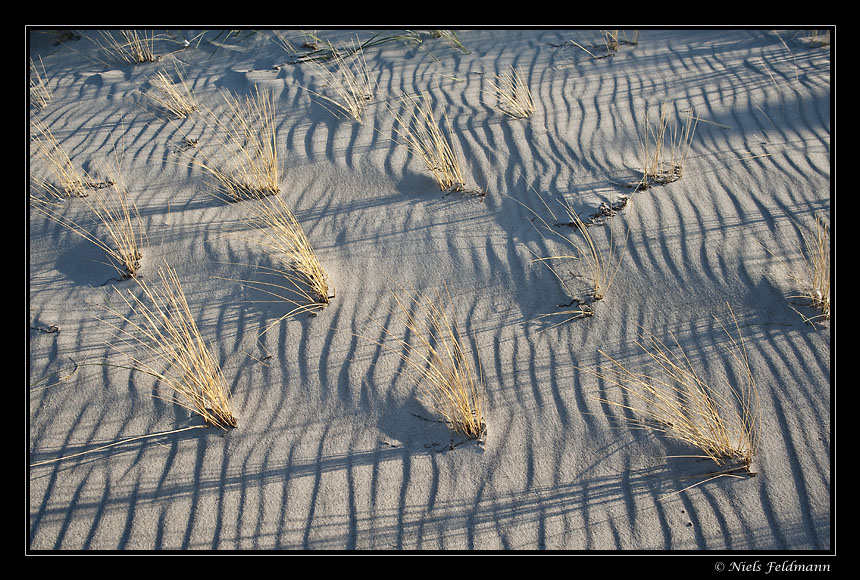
334 449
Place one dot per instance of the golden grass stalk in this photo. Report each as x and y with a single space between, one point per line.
315 52
306 284
64 178
451 37
610 40
815 38
817 254
446 377
813 278
174 98
513 95
116 213
242 162
424 137
664 147
162 327
678 402
601 263
128 46
114 444
40 92
349 81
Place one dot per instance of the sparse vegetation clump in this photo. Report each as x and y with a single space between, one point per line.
424 136
313 48
664 147
600 262
174 98
513 96
676 400
112 210
437 354
162 340
241 159
303 282
129 46
348 81
816 285
64 179
451 37
812 278
40 92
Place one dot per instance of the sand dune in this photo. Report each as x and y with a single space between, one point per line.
334 449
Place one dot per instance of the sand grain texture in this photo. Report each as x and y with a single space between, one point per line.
334 449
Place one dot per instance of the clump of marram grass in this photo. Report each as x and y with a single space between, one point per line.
816 282
600 262
812 277
612 39
128 46
40 93
64 178
303 282
313 48
815 38
174 98
348 79
242 159
424 137
436 353
162 329
677 401
451 37
512 94
610 43
114 212
664 148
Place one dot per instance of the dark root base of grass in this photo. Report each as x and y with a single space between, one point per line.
318 306
663 178
132 267
461 189
223 422
604 210
472 430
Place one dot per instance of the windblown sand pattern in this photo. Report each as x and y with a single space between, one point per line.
334 449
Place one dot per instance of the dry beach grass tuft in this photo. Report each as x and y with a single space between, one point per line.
722 424
162 329
451 383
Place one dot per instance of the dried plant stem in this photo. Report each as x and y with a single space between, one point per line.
813 278
315 53
64 179
664 148
349 81
424 137
817 286
129 46
679 402
162 327
114 444
439 359
242 162
451 37
40 92
305 283
601 264
513 95
174 98
115 211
